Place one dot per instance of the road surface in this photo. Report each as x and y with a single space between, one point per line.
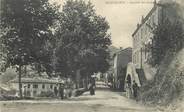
104 101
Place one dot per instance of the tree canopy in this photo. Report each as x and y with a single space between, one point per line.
168 38
26 30
83 39
28 24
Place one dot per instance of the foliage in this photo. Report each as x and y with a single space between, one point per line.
168 83
82 39
10 74
28 26
168 37
167 55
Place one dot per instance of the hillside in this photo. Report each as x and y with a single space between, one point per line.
168 85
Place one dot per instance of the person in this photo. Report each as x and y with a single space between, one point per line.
24 91
92 86
61 92
128 90
135 89
92 90
129 79
121 84
93 81
55 91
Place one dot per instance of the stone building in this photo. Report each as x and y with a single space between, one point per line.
121 59
143 35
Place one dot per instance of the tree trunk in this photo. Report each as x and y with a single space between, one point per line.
87 82
25 70
19 80
39 69
77 78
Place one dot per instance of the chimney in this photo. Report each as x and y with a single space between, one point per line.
155 2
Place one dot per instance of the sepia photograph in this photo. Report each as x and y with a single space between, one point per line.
91 56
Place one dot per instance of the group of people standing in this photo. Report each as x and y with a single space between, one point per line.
59 91
131 89
63 91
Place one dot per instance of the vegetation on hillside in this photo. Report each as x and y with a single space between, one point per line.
168 83
167 56
168 38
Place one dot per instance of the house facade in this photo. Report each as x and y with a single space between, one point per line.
36 87
143 36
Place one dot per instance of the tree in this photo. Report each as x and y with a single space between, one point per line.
83 39
168 37
28 27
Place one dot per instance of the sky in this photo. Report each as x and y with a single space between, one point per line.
123 16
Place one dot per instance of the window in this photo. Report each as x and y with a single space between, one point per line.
28 86
51 86
153 19
28 93
34 93
43 86
35 86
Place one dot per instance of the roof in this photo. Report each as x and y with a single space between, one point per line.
37 80
159 4
123 57
146 18
128 49
4 88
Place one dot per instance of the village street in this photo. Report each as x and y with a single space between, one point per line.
105 100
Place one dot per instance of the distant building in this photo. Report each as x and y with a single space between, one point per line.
121 59
33 87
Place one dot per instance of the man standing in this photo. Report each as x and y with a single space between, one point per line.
135 89
24 91
61 92
92 86
56 91
92 90
128 90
